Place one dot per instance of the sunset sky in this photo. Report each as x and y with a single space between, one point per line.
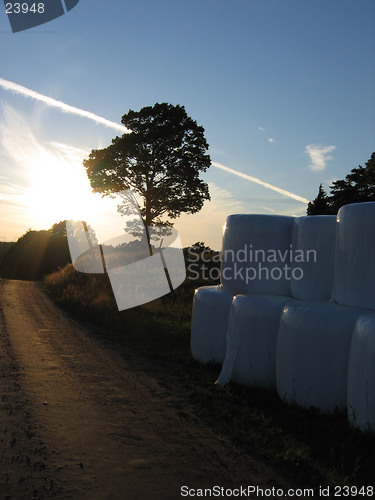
284 90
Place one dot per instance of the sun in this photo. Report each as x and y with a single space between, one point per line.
58 189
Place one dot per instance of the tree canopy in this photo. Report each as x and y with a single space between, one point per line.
321 204
36 254
358 186
160 159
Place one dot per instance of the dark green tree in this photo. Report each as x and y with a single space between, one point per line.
358 186
160 159
321 205
36 254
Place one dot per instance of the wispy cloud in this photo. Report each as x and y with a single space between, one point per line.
66 108
31 148
260 182
43 183
270 139
207 224
319 155
71 153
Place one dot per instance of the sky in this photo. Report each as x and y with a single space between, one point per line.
283 88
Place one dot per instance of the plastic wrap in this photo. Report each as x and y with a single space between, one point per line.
313 242
313 353
209 323
354 282
361 375
252 339
256 250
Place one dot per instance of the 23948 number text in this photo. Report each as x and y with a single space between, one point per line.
24 8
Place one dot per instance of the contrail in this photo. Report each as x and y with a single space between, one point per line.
19 89
259 181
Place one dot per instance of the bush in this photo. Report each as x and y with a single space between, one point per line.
36 254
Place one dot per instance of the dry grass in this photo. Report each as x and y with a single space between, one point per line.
313 449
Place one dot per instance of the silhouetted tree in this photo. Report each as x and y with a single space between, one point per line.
36 253
202 264
4 247
321 205
358 186
161 159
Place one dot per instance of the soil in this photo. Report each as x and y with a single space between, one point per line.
78 420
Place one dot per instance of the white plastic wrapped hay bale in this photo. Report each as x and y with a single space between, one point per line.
313 353
256 249
313 243
361 375
354 281
209 323
252 246
252 339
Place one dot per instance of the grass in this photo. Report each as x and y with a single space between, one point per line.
311 449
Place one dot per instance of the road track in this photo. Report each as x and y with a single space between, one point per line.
77 420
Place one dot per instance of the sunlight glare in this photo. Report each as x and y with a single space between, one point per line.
58 189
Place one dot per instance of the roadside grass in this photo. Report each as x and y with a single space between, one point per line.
311 449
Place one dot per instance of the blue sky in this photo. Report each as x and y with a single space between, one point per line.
284 90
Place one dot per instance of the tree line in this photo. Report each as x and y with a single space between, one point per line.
36 254
357 187
161 159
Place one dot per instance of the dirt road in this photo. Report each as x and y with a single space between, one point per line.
78 421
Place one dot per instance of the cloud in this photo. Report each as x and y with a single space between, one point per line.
259 181
43 183
21 145
270 139
18 143
319 155
70 153
207 224
14 87
66 108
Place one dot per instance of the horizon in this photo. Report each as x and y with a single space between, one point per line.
284 92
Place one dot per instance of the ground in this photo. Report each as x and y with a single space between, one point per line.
79 420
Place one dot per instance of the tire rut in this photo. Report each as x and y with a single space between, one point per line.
79 421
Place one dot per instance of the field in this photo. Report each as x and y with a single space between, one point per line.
313 449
